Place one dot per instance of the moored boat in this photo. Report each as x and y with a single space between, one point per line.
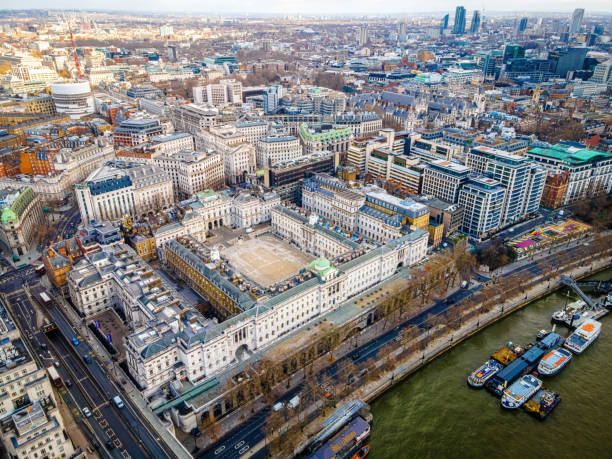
575 314
520 391
583 336
363 452
542 403
483 373
553 362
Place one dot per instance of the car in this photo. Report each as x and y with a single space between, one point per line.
56 363
43 346
118 402
86 358
110 444
75 341
68 383
86 411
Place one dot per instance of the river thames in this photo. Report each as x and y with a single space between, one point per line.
434 413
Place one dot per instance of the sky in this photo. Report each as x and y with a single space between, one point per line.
315 6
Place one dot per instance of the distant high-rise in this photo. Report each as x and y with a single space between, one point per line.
576 24
459 25
362 39
272 97
513 51
475 26
402 28
556 25
522 25
444 23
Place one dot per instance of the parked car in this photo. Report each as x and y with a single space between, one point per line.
86 411
75 341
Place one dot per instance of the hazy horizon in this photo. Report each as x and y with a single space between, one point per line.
315 7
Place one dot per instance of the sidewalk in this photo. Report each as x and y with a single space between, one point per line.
417 359
125 385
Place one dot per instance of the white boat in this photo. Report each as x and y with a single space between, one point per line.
553 362
520 391
583 336
575 314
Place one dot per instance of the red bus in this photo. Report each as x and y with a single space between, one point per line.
54 376
46 299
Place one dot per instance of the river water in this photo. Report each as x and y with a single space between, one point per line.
434 413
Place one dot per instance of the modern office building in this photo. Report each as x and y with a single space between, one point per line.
602 73
482 199
522 179
443 179
513 51
444 23
272 97
576 22
459 25
136 131
74 99
475 24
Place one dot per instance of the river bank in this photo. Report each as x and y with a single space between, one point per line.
434 414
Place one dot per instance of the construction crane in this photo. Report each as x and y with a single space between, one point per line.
76 58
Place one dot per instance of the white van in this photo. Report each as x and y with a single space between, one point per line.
118 401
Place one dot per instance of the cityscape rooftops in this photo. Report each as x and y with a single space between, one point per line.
449 166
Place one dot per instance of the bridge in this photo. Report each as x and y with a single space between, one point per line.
571 283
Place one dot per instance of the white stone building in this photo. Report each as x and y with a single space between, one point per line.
119 188
249 210
271 150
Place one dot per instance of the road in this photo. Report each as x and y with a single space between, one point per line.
251 431
91 386
238 442
141 436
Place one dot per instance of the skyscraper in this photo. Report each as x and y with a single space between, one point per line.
402 28
576 24
459 25
362 39
520 26
444 23
475 26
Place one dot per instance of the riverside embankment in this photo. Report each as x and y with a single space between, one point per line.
433 413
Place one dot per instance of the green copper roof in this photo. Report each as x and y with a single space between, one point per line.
321 267
14 211
327 135
571 156
8 215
